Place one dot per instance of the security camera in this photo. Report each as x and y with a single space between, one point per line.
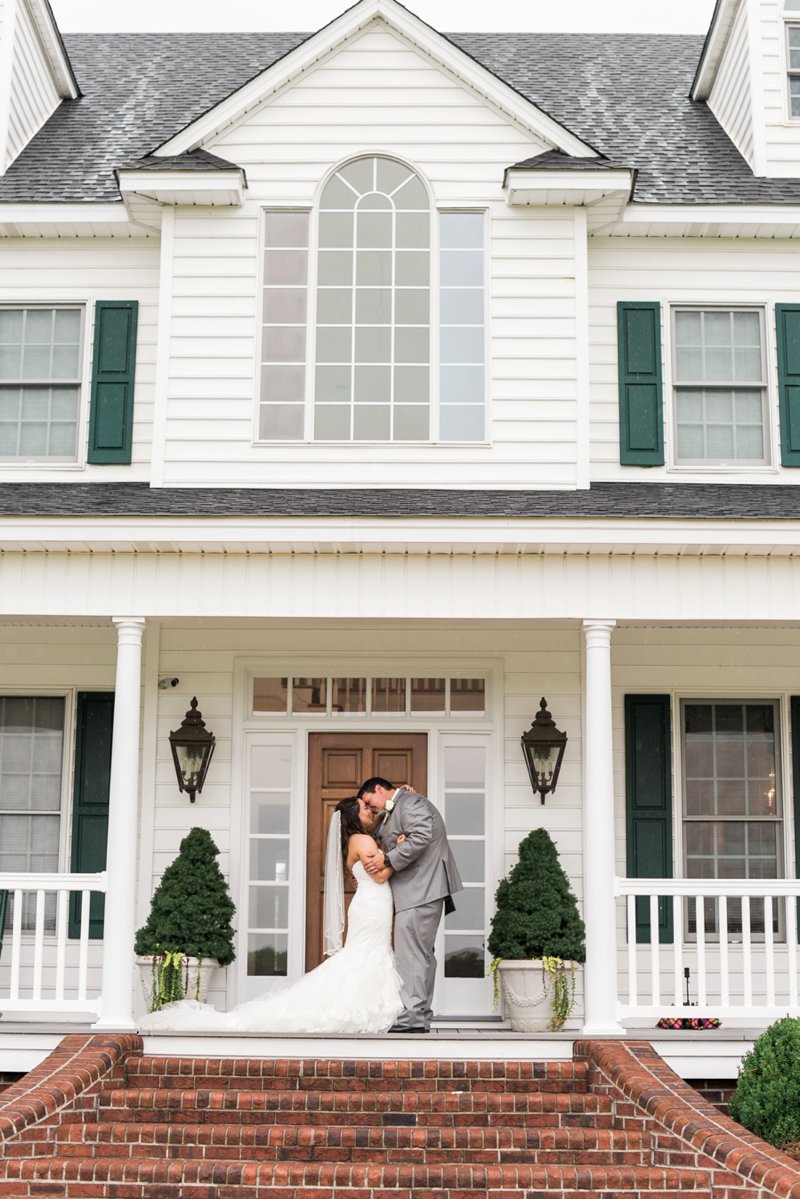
164 684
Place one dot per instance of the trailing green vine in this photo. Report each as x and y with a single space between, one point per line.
170 978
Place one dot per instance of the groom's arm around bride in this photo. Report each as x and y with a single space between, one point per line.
425 877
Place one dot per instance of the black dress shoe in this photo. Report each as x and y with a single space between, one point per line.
405 1028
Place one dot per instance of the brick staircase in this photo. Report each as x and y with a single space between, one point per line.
159 1128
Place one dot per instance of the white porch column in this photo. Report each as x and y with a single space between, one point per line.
599 861
123 812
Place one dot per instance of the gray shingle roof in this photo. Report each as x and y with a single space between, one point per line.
670 501
625 94
195 160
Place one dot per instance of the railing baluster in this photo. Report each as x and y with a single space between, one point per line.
769 951
16 945
38 946
655 953
677 945
700 919
633 985
83 959
747 957
791 948
724 968
61 941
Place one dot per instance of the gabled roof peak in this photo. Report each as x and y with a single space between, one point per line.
355 20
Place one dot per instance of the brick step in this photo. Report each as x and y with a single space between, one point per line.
337 1143
118 1178
357 1108
353 1075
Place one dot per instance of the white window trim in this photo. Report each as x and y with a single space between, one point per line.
766 308
86 305
403 447
789 20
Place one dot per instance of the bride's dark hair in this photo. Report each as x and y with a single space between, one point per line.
350 822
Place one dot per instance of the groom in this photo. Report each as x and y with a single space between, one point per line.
425 876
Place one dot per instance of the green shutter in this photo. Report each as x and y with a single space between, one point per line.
795 714
111 416
648 803
787 327
94 721
641 418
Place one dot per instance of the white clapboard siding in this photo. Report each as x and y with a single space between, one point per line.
377 94
781 135
717 272
34 95
82 272
731 99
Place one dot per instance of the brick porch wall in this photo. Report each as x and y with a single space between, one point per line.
686 1129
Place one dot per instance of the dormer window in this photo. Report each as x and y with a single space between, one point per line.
373 325
791 10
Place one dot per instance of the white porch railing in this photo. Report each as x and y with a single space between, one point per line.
737 966
41 969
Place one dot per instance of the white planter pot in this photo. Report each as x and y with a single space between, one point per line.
527 990
196 978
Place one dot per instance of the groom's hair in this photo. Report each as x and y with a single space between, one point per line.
371 784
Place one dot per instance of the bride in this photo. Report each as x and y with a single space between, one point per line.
357 988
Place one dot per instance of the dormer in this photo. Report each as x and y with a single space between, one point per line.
749 75
35 74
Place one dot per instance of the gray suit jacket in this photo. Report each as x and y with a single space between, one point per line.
424 866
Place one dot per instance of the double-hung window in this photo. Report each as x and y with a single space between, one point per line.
732 813
31 771
40 383
792 9
373 315
720 387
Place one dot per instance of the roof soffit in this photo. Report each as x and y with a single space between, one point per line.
351 24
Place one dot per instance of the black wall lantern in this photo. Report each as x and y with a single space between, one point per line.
543 746
192 749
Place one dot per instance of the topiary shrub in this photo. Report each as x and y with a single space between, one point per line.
190 917
537 912
537 919
767 1096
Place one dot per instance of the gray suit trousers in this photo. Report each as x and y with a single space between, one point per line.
414 937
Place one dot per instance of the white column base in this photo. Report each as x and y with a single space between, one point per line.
600 1029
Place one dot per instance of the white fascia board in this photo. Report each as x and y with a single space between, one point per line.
631 536
528 186
198 187
713 48
108 212
712 214
54 48
343 29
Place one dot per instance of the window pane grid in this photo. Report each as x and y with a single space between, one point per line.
465 817
31 751
40 351
720 386
285 319
793 62
398 696
732 813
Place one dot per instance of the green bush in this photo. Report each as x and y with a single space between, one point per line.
767 1096
537 913
191 910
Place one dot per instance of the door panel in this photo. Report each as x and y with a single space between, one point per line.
338 763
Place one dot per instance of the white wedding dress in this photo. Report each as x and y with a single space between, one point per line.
356 990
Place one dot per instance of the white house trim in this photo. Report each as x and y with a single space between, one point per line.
53 47
712 220
345 28
714 48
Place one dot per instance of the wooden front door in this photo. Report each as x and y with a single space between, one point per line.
338 763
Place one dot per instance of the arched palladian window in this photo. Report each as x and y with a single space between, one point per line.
369 358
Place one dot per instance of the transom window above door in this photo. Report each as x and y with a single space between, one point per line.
378 335
369 696
720 387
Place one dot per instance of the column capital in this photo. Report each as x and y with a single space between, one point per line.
598 632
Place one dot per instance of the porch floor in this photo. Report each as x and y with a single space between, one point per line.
710 1054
